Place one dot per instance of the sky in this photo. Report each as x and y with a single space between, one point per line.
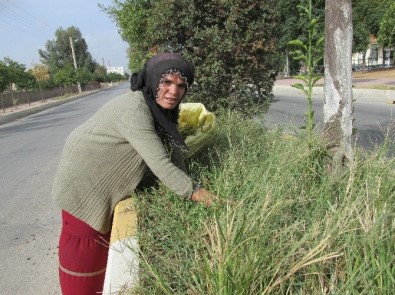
26 26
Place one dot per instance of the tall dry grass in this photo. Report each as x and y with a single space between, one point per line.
282 225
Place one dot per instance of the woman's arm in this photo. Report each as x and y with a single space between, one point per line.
136 125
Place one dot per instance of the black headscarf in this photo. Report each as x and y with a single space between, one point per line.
147 81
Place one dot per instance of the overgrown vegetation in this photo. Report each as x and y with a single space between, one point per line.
386 34
282 225
232 44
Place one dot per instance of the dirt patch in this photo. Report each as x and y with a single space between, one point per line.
24 106
383 79
376 74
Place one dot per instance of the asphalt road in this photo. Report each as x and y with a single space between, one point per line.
374 117
30 149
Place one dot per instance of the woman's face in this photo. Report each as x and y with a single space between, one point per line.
171 90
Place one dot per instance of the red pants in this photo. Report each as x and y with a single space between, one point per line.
83 255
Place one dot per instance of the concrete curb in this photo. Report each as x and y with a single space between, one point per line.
122 271
24 113
359 94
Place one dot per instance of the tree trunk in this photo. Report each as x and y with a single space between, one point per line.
2 102
12 96
364 61
286 63
41 92
338 105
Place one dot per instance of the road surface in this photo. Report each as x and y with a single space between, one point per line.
29 220
374 117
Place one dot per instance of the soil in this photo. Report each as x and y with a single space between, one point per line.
378 74
379 79
383 79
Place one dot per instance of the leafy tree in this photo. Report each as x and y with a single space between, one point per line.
100 74
83 76
370 13
58 54
41 74
366 15
115 77
65 76
132 17
293 24
4 81
3 76
362 32
232 44
14 76
27 81
386 34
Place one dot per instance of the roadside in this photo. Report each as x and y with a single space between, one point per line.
367 83
23 110
379 79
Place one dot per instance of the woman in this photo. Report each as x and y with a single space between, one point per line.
105 159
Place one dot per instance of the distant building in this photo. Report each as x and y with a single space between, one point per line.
375 56
117 70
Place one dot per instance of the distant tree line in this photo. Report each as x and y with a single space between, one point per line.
57 66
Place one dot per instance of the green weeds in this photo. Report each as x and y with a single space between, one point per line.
281 225
310 53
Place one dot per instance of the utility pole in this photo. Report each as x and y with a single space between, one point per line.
75 63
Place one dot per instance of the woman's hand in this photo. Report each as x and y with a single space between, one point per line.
203 195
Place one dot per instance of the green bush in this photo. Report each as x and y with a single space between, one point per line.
232 44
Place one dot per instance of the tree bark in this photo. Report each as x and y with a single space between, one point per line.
338 105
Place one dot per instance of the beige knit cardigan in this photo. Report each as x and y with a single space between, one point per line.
105 158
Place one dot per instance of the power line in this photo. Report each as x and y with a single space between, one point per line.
38 21
21 20
15 26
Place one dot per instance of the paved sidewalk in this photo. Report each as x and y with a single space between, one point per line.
363 89
357 82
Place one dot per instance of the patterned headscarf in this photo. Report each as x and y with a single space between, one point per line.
147 81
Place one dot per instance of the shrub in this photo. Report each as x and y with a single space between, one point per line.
232 44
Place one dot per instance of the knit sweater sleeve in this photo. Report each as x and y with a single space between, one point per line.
136 125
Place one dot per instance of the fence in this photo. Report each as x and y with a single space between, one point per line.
16 98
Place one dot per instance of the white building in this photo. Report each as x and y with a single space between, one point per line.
117 70
375 55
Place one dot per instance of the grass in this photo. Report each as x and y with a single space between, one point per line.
282 225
